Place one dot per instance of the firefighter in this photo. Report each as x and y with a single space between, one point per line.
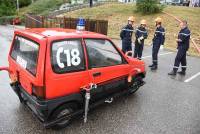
141 35
183 42
126 35
158 40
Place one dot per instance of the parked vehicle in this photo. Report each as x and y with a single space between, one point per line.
168 2
181 2
15 21
65 6
61 73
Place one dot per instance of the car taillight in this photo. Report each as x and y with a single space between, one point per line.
38 91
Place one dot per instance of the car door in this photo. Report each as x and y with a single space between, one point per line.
66 70
107 66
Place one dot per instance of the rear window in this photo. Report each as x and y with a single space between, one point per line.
25 53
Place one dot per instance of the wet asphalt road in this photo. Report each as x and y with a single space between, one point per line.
164 105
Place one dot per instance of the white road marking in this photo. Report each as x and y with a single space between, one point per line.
192 77
149 56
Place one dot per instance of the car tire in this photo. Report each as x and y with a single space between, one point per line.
66 109
135 85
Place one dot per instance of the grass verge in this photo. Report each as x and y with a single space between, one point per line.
117 15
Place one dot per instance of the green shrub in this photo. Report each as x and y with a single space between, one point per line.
42 7
148 6
7 8
23 3
6 19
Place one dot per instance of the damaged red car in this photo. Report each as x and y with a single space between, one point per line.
62 73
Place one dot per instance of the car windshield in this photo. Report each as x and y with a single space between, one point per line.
25 53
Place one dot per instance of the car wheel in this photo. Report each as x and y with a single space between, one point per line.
135 85
64 110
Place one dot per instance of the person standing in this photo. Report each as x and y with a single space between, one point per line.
126 35
183 42
158 40
141 34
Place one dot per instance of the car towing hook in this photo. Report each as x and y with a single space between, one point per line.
87 99
4 69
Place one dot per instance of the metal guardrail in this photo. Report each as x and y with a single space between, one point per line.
80 6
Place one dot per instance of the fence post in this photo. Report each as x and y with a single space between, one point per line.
97 26
26 21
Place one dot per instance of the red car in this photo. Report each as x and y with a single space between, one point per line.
15 21
61 73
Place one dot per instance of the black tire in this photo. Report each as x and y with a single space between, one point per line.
135 85
65 109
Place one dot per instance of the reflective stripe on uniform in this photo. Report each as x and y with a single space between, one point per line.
184 66
176 67
141 31
184 34
159 32
128 30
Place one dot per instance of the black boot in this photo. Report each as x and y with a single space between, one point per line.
181 72
173 73
151 65
154 67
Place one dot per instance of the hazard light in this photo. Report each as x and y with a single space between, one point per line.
80 25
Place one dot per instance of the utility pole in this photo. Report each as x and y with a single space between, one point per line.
91 3
18 6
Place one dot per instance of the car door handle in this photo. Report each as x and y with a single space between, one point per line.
96 74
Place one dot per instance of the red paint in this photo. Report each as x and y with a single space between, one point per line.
58 85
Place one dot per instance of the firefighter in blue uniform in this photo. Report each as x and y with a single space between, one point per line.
126 35
183 42
141 35
158 40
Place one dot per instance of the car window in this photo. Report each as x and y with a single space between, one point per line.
25 53
67 56
102 53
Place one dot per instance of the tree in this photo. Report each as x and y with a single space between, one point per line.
23 3
148 6
7 7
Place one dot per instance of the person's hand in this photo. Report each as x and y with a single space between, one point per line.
161 47
178 40
139 41
141 38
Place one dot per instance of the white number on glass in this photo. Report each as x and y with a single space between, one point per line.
76 60
73 57
21 62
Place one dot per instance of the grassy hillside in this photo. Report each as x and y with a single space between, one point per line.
42 7
117 15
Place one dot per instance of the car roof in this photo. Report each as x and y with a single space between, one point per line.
40 33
